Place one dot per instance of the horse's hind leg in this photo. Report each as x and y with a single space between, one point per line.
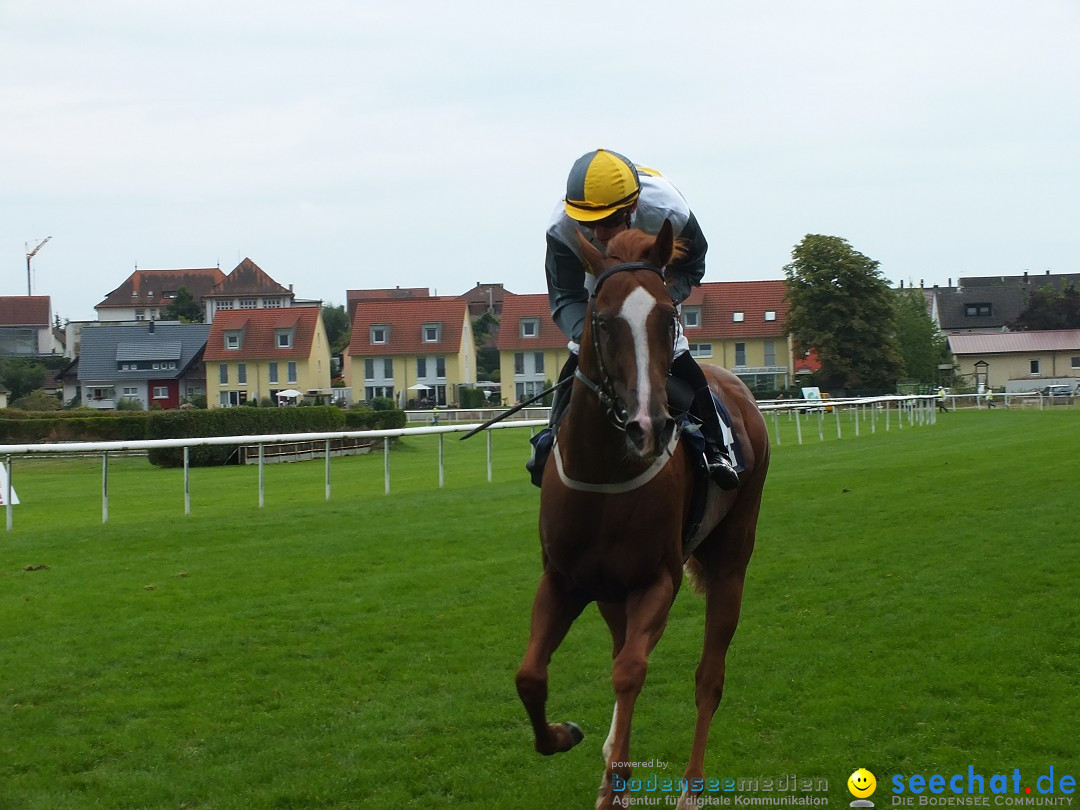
554 610
723 569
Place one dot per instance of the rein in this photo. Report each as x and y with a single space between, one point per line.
605 389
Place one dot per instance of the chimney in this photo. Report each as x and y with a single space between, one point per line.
151 327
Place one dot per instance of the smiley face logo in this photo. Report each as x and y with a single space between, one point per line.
861 783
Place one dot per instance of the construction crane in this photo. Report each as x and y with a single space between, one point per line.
29 255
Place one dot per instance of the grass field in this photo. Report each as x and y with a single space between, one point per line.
911 608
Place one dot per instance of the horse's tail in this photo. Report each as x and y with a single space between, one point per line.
696 574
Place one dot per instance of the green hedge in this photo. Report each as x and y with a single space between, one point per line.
232 422
363 419
48 428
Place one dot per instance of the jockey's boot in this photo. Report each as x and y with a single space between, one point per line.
543 440
720 469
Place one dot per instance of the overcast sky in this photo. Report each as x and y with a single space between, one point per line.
346 144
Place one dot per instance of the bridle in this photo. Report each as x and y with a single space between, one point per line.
605 389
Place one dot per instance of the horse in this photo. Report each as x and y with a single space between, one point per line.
615 503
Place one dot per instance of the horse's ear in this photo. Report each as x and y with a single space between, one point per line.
663 248
594 259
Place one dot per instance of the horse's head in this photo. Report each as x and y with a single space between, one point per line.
627 344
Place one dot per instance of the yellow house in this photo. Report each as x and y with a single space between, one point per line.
257 353
532 349
415 351
1018 361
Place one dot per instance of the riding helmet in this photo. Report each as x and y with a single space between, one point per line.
601 182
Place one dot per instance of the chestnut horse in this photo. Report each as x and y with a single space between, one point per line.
615 504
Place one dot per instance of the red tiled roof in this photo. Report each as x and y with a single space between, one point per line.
259 339
148 287
720 300
395 294
25 310
516 308
247 278
406 319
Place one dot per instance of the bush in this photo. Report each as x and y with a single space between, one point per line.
71 426
232 422
472 398
37 401
357 418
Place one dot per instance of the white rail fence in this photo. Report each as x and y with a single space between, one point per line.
886 411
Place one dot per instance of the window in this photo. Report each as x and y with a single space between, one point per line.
249 303
241 373
224 304
223 373
1034 368
530 327
538 362
978 310
272 303
691 317
740 354
170 294
770 352
440 368
421 367
519 362
701 350
380 333
292 371
161 392
770 314
140 315
130 391
388 368
284 338
232 340
738 317
271 372
1076 362
432 332
369 368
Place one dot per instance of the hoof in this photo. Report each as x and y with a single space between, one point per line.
575 732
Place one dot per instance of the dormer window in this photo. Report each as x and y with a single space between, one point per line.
232 339
978 310
284 338
249 303
432 332
380 333
738 317
691 317
530 327
770 314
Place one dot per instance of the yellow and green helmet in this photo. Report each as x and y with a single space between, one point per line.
601 183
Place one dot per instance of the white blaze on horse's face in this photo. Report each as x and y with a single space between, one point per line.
636 309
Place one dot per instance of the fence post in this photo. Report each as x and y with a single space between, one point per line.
187 481
8 487
328 466
489 455
386 464
105 486
442 475
262 476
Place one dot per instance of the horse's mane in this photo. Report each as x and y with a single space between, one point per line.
633 245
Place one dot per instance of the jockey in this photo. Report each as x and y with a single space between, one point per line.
605 194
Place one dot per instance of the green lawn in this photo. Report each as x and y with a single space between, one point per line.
911 608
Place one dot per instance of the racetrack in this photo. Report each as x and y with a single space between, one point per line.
911 609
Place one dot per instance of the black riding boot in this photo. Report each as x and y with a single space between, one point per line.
720 469
543 440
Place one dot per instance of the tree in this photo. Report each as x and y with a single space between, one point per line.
1050 307
336 323
21 375
922 346
183 308
842 307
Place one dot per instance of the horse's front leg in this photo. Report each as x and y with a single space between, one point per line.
646 617
554 610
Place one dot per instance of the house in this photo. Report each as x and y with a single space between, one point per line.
156 363
411 349
26 326
532 349
1018 361
257 353
740 325
246 287
986 303
145 293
